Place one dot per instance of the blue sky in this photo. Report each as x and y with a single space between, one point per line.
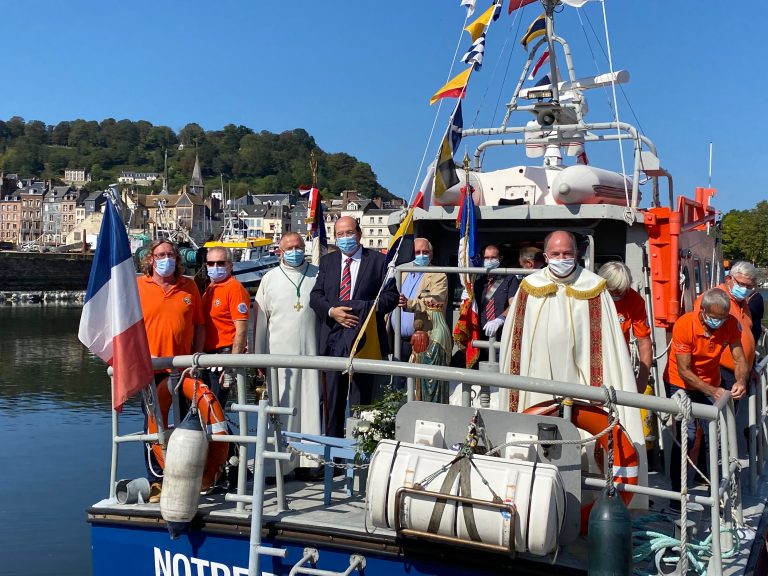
358 75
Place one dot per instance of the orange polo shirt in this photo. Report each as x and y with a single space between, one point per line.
690 336
224 303
740 311
632 315
170 317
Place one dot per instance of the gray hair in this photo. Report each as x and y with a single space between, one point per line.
227 252
528 254
715 298
745 268
429 244
617 275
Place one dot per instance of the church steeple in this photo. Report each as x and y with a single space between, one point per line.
196 186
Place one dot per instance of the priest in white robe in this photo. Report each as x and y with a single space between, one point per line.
285 324
563 326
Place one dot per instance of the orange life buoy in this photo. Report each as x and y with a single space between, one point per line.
593 420
212 416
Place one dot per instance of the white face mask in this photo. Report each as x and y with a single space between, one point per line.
491 263
561 268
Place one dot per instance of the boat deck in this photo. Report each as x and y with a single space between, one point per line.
342 524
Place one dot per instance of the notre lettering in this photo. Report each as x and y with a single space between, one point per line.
181 565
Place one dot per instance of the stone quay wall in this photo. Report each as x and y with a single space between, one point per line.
44 272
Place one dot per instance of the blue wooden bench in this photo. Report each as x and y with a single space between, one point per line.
327 448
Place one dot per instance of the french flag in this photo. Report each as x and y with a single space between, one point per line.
112 323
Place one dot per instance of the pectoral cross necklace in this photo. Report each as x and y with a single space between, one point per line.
298 306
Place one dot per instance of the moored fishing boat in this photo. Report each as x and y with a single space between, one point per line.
520 504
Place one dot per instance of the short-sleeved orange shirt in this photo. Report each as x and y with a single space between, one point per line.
740 311
632 315
170 317
224 303
690 336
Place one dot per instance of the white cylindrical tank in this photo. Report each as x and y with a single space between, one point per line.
535 491
183 474
582 184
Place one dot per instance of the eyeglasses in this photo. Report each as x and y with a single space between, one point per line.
347 234
747 285
165 255
216 262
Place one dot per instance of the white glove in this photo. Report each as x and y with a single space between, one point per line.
464 295
227 380
493 326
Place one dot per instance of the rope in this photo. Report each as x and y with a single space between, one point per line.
648 543
610 404
684 403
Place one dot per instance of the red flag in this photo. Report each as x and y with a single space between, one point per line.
467 329
515 4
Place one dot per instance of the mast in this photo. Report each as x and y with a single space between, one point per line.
549 13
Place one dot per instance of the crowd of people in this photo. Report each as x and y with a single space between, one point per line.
559 322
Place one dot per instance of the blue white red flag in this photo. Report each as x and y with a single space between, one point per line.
315 222
112 323
539 63
467 327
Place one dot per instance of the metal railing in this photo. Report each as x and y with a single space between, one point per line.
720 419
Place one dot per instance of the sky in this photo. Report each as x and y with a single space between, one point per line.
357 76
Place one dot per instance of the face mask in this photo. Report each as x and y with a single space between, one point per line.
491 263
562 268
217 273
739 292
713 323
421 260
165 266
347 244
294 257
616 298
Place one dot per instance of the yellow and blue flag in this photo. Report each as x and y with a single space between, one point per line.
445 175
537 29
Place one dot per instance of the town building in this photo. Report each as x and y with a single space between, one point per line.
139 178
76 176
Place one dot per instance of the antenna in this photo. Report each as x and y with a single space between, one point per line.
709 181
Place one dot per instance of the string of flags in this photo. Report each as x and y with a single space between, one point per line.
444 169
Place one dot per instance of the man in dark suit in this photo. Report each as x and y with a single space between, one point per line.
493 295
346 287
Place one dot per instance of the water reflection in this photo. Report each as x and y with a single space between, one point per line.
55 424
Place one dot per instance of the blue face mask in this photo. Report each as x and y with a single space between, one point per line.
713 323
294 257
739 292
165 266
217 273
421 260
347 244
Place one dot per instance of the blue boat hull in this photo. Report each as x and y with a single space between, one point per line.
122 549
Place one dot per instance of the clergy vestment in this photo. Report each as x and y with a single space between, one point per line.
285 324
566 329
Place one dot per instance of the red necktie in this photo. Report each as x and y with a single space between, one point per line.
346 282
490 307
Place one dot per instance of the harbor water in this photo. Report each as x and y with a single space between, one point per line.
55 424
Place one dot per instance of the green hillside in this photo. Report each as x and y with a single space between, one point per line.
262 162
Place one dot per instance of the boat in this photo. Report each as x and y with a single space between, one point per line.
251 258
390 515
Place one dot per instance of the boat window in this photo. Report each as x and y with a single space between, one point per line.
708 273
697 275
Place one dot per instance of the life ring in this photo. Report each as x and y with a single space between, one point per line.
593 420
212 416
